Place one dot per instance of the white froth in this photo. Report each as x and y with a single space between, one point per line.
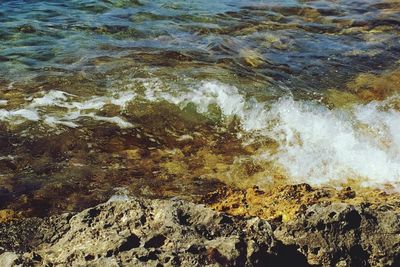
74 109
51 98
53 122
319 145
226 97
316 145
15 116
116 120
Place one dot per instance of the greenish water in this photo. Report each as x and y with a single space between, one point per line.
175 98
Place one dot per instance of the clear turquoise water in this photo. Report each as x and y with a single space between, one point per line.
69 35
95 95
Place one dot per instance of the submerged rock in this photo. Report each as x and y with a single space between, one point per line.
366 88
26 28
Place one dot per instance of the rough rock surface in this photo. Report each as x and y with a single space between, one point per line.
288 201
330 227
144 232
341 234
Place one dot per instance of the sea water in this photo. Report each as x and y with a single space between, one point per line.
171 98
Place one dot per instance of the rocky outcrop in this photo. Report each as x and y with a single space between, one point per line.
341 234
145 232
140 232
330 227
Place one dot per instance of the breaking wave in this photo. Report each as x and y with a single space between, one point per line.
315 144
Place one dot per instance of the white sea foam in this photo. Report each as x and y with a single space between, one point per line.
227 98
27 114
75 109
316 145
319 145
116 120
51 98
53 122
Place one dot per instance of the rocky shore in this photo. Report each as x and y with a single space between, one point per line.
128 231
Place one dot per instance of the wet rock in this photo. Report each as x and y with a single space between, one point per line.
8 215
251 57
330 227
286 202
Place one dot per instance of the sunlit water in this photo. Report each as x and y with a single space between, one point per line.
176 98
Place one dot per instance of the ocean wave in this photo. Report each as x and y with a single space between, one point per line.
314 143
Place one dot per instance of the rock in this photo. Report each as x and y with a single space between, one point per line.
147 232
26 28
8 259
251 57
8 215
330 227
286 202
23 235
128 231
341 234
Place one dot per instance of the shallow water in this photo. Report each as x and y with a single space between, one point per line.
175 98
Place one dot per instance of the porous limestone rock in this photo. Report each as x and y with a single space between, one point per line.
143 232
149 232
341 234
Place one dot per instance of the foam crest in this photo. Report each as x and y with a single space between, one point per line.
226 97
319 145
316 145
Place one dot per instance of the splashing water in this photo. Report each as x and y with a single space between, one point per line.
169 98
316 145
